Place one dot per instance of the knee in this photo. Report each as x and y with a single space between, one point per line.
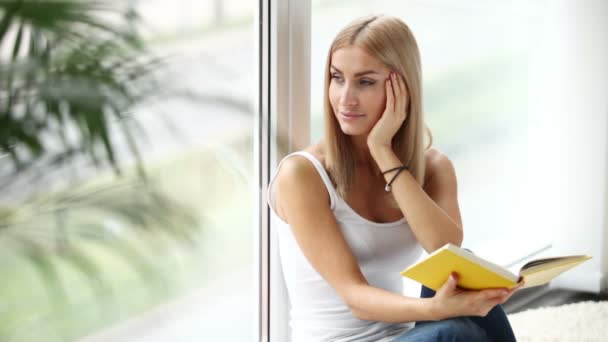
459 330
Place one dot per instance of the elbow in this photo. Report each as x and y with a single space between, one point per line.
359 312
458 237
352 298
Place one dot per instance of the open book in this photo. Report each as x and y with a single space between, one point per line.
476 273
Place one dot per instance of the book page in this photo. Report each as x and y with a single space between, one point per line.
543 273
544 263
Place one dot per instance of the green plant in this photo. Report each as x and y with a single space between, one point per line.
69 77
72 73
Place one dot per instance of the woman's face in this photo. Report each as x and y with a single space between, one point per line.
357 89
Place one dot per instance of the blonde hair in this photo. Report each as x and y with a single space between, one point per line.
390 41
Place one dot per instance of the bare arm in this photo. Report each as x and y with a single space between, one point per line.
432 212
303 202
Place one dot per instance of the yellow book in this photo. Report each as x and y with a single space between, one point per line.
476 273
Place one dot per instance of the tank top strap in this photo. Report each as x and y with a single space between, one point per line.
320 169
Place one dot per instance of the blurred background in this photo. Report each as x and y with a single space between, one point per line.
126 196
129 190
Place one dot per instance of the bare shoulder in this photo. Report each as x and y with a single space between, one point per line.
297 170
298 182
439 167
297 166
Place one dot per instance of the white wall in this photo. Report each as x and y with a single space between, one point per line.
568 126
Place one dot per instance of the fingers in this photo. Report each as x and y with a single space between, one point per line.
514 289
396 85
453 280
471 302
390 95
493 293
450 285
486 300
404 95
511 291
519 286
400 92
499 296
396 80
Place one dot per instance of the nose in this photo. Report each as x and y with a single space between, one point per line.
348 97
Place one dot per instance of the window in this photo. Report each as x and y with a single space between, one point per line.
476 60
188 279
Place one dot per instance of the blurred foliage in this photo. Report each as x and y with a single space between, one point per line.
71 72
84 258
69 75
60 231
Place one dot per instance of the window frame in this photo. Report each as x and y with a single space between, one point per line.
283 127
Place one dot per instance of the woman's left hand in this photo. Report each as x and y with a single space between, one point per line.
394 114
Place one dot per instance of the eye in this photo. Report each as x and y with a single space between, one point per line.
336 76
365 82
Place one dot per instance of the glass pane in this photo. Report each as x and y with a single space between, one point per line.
476 59
89 254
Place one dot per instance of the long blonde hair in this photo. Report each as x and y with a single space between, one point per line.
390 41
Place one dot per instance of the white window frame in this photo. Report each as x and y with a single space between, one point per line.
284 127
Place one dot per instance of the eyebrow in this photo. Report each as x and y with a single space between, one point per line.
359 73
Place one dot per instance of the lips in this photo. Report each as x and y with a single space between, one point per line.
350 114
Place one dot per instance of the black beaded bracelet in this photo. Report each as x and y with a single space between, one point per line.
387 188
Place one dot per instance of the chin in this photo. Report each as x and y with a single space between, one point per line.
354 131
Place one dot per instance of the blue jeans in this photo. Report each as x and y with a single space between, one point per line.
493 327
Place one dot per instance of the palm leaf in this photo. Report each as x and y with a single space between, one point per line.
75 68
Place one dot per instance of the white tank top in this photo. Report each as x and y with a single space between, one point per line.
382 250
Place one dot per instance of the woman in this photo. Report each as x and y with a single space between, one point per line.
358 207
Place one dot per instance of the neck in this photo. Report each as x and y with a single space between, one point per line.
363 157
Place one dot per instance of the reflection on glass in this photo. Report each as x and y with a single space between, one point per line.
126 172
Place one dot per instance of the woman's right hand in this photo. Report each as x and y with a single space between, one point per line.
452 301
